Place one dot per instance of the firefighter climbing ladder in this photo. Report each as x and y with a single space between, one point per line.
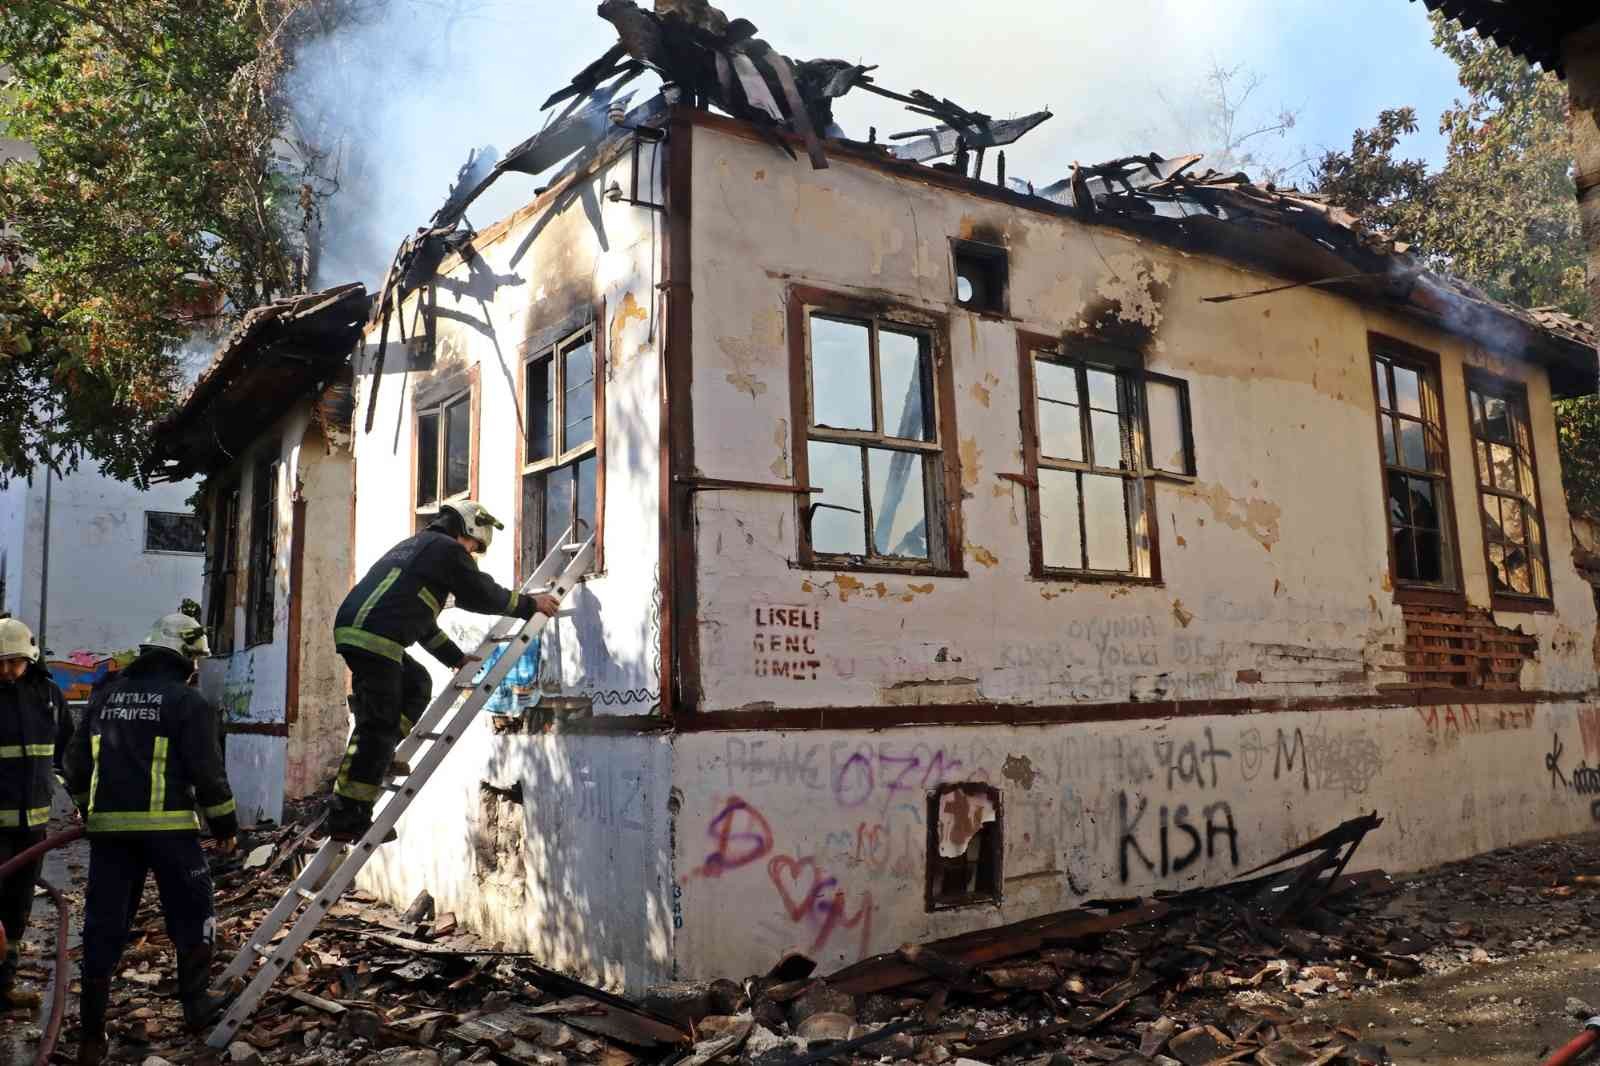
330 872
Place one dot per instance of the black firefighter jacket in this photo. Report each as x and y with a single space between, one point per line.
35 728
397 604
147 754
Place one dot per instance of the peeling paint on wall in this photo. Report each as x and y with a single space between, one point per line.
755 351
1257 518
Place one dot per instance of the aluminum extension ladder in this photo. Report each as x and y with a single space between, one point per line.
330 872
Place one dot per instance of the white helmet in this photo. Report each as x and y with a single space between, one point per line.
478 522
179 633
16 640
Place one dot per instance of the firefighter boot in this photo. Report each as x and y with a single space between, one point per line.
12 997
92 1001
200 1005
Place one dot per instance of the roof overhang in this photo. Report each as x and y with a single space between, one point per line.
279 354
1531 28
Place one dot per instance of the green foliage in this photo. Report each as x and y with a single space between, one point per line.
1502 213
157 203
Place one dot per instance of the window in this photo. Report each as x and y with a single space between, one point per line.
170 531
561 463
1508 490
262 575
1416 470
443 454
871 437
1098 428
965 845
223 570
981 272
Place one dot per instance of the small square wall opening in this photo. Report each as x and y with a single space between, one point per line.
965 845
981 273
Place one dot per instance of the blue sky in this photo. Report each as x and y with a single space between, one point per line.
460 73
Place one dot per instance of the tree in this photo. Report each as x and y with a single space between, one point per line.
1501 213
1220 118
163 198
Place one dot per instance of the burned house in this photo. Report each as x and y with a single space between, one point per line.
267 429
966 548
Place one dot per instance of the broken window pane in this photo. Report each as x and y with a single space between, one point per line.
541 399
1491 520
899 507
1061 535
1105 522
1413 451
841 374
427 459
1405 556
458 447
1502 467
1386 427
836 470
1399 501
532 540
1496 420
1430 556
578 370
557 504
1164 410
586 495
1407 392
1516 567
907 386
1424 512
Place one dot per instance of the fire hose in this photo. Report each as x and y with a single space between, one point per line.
58 999
1574 1049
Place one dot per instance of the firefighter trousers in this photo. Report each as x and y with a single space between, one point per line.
16 891
118 866
386 698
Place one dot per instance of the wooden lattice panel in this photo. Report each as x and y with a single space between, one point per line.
1463 649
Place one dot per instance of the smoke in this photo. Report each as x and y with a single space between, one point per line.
402 93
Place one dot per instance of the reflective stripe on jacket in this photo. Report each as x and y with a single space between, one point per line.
397 603
35 729
148 755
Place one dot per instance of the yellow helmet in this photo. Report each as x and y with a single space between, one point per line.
476 520
179 633
16 640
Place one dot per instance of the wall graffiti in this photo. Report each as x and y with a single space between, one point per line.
1216 821
742 836
785 642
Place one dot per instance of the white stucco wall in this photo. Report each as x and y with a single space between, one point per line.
590 888
105 589
1274 559
250 684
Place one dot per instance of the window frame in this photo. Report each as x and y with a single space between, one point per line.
436 404
222 570
1431 374
553 343
803 302
1515 394
203 552
1129 368
261 566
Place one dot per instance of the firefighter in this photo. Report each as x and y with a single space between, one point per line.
395 605
35 729
147 753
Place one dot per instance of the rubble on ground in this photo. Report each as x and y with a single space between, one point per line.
1251 972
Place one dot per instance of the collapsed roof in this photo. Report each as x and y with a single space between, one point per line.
705 60
278 354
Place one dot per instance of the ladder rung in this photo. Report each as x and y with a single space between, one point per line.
305 894
427 736
466 686
572 549
262 950
507 639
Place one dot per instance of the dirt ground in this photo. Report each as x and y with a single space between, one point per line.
1509 942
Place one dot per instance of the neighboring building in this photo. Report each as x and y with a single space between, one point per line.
267 427
119 558
966 554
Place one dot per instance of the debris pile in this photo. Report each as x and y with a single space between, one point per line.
1257 971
